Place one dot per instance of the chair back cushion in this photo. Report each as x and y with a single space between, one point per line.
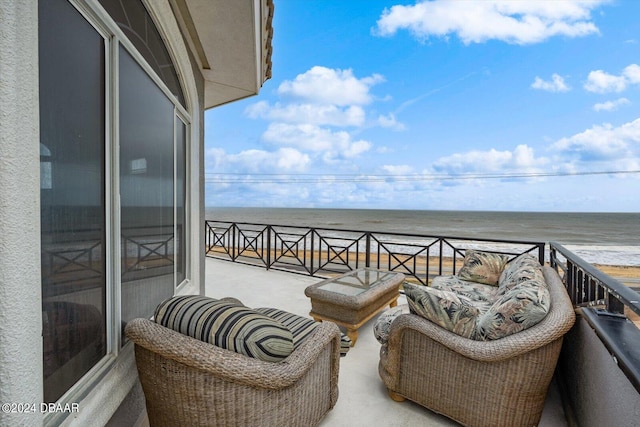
301 327
228 325
519 308
482 267
450 310
523 268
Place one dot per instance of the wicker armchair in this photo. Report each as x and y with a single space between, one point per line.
188 382
503 382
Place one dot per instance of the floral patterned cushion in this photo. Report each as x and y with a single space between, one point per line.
482 267
473 290
454 312
521 269
384 321
519 308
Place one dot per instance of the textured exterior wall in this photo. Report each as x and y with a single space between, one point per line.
20 303
599 392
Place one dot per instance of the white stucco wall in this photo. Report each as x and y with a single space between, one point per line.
20 304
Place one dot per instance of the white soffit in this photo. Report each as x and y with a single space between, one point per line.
231 40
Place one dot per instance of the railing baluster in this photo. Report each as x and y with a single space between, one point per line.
440 259
268 249
313 250
541 253
368 251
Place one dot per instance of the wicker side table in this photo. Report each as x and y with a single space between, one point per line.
353 298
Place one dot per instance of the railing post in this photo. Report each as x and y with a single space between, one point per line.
570 283
233 241
269 230
541 253
313 249
367 256
206 237
440 242
614 305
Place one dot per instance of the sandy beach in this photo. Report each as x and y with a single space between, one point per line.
628 275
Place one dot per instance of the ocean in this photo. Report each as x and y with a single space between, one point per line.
599 238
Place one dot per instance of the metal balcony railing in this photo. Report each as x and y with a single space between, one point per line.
326 251
606 304
589 287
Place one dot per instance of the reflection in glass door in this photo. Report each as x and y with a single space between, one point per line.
146 191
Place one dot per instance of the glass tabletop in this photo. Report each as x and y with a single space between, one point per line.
356 282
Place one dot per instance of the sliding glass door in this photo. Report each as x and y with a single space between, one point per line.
113 162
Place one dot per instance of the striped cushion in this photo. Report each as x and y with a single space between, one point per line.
301 327
227 325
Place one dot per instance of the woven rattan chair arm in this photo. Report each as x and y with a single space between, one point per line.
233 366
556 323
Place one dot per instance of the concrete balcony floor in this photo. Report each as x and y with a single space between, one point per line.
363 400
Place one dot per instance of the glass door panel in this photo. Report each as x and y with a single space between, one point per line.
146 191
72 195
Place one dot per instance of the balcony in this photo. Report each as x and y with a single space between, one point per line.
598 370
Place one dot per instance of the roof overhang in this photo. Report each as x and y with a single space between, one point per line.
231 41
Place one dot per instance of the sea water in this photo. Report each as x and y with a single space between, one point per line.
599 238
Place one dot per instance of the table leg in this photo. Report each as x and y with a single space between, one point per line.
353 335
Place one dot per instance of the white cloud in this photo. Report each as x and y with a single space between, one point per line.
600 148
325 102
312 124
600 81
291 159
602 143
323 114
611 105
518 22
321 85
306 137
556 84
521 160
398 169
632 73
285 159
390 121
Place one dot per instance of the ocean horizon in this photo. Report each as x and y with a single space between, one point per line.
599 238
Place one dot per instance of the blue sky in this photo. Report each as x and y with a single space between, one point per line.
455 105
